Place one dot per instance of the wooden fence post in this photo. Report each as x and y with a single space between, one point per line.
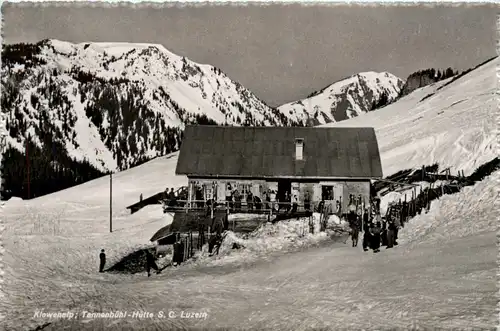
191 242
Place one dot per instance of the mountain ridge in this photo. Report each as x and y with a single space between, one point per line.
346 98
91 95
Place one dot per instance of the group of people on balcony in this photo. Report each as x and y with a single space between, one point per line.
271 201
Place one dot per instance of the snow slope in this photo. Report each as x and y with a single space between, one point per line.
454 126
442 275
422 283
345 99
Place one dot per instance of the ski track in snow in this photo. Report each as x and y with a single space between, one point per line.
442 275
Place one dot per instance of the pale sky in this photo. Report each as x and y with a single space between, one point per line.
282 53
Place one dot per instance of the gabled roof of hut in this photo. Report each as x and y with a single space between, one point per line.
269 152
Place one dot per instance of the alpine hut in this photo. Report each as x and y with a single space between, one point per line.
247 166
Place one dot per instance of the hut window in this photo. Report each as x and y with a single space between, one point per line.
327 193
299 149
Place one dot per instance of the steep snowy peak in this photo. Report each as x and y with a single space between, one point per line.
452 122
348 98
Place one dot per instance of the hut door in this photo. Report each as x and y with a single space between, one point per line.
284 186
316 193
221 191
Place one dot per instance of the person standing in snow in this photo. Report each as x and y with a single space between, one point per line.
351 215
217 229
366 217
102 258
391 232
375 236
367 236
355 231
151 263
383 233
397 226
217 226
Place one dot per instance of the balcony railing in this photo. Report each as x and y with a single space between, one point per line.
273 207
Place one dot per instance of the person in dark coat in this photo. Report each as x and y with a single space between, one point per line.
375 236
214 244
268 201
237 200
321 206
391 227
172 199
102 257
258 202
229 196
367 236
355 231
396 230
217 226
250 201
383 234
307 201
338 209
216 237
151 263
226 222
351 218
287 202
366 218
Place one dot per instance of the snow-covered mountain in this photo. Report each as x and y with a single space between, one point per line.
115 104
452 122
346 99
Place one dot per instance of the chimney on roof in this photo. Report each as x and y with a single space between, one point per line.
299 149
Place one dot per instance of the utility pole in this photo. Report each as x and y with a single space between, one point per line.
28 165
110 202
3 143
